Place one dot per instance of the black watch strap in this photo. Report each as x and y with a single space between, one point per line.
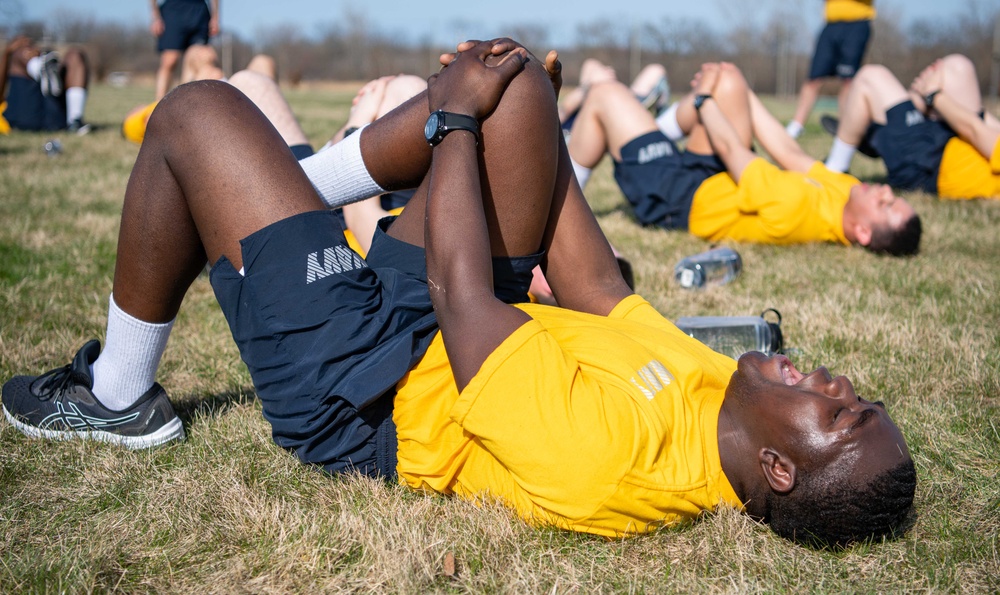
448 122
929 98
699 100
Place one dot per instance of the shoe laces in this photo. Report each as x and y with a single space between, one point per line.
55 383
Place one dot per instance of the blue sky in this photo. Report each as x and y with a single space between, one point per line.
456 19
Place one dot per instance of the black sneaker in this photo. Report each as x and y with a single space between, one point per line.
78 128
59 405
865 147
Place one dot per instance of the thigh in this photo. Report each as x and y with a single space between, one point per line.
824 60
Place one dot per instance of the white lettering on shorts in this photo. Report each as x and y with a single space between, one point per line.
655 151
652 378
914 117
338 259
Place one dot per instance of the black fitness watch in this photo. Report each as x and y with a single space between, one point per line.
440 123
699 100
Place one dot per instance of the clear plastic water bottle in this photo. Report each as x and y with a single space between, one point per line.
53 147
736 335
715 267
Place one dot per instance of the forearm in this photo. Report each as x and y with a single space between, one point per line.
775 140
459 264
726 142
968 125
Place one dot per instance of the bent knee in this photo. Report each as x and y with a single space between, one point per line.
193 106
958 64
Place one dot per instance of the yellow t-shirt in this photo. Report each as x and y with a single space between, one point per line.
849 10
606 425
965 173
772 206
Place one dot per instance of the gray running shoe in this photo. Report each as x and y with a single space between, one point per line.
49 78
658 98
59 405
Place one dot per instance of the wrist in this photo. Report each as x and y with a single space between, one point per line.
929 98
700 99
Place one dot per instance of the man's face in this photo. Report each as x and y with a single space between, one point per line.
877 206
815 419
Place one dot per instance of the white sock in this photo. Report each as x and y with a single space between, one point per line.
667 123
127 366
582 173
76 100
840 156
339 174
34 67
794 129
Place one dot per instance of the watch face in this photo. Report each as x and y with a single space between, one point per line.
431 127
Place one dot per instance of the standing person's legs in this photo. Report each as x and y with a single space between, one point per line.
165 72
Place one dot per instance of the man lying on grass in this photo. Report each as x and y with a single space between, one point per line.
598 416
718 188
934 137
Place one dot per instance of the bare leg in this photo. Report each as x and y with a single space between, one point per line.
77 73
168 62
377 98
808 95
191 197
874 90
610 118
266 94
732 95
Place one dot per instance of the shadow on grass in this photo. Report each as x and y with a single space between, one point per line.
623 208
213 406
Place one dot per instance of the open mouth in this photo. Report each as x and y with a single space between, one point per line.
789 375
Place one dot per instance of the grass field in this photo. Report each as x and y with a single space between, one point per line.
227 511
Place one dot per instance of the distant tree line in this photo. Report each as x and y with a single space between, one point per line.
770 40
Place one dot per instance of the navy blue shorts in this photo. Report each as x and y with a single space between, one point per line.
185 23
326 335
840 49
302 151
911 147
29 109
659 180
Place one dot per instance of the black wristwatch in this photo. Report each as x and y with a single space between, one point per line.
440 123
699 100
929 98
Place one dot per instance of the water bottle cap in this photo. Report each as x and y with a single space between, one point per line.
777 341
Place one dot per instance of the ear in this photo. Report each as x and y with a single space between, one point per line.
778 470
863 234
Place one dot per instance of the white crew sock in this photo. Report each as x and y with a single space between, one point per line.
582 173
794 129
840 156
667 123
76 100
34 67
127 366
339 174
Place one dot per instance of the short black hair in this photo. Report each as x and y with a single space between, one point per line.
827 510
903 241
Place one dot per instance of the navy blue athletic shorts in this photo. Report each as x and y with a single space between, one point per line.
185 23
326 335
911 147
29 109
840 49
659 180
